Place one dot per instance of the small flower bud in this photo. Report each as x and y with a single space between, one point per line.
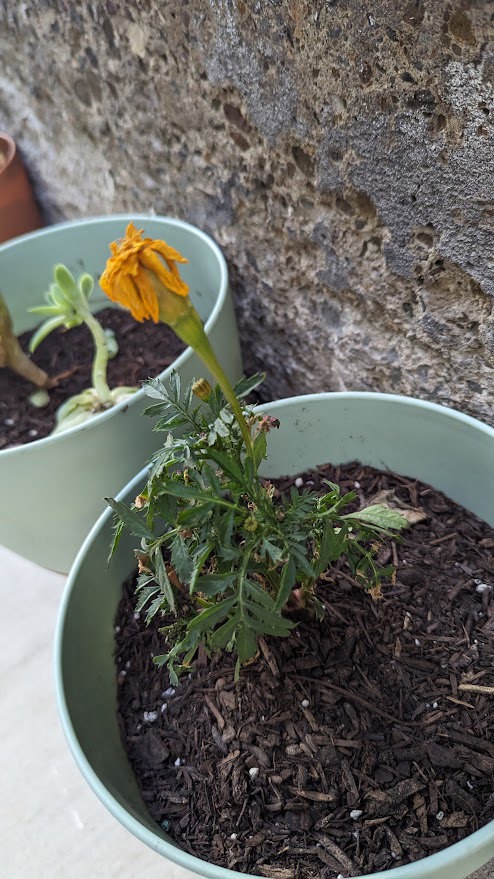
140 501
250 524
202 389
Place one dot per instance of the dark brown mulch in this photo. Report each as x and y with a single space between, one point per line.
357 744
145 349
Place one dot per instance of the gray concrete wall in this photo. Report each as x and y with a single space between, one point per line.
340 151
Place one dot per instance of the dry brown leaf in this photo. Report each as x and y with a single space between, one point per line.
413 515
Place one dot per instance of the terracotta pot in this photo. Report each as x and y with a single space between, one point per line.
19 212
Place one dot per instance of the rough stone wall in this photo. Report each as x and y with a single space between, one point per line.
340 151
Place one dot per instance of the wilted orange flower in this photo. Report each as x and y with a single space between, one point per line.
138 270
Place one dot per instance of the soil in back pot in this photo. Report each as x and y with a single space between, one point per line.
144 350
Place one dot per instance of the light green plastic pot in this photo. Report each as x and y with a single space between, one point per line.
52 489
451 451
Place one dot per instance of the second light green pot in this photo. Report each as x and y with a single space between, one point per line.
451 451
52 489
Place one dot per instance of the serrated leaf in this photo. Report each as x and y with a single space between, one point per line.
153 609
270 624
273 552
169 422
260 448
246 643
227 464
179 489
181 560
221 637
227 415
226 528
246 385
380 516
200 558
333 544
299 553
220 428
260 596
156 389
163 579
175 384
152 411
210 617
287 584
185 490
213 584
145 594
165 506
130 518
117 533
209 476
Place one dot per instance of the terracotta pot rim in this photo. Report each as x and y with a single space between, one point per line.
9 142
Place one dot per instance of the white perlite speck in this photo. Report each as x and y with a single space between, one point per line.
440 815
150 716
305 703
168 693
254 771
299 482
233 835
482 587
178 762
355 814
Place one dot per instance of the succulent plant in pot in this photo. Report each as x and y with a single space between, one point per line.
280 719
54 483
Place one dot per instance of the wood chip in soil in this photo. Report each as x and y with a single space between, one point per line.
351 747
145 350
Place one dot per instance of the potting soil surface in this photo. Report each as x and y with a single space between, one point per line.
357 744
144 350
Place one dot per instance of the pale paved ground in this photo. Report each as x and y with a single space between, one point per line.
51 825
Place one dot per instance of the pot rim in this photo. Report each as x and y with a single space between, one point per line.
183 357
443 860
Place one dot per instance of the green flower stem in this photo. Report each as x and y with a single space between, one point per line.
190 329
100 360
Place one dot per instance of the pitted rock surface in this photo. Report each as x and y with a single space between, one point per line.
340 152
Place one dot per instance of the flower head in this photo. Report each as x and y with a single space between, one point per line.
139 270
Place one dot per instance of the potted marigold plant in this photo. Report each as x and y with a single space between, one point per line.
279 721
54 482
